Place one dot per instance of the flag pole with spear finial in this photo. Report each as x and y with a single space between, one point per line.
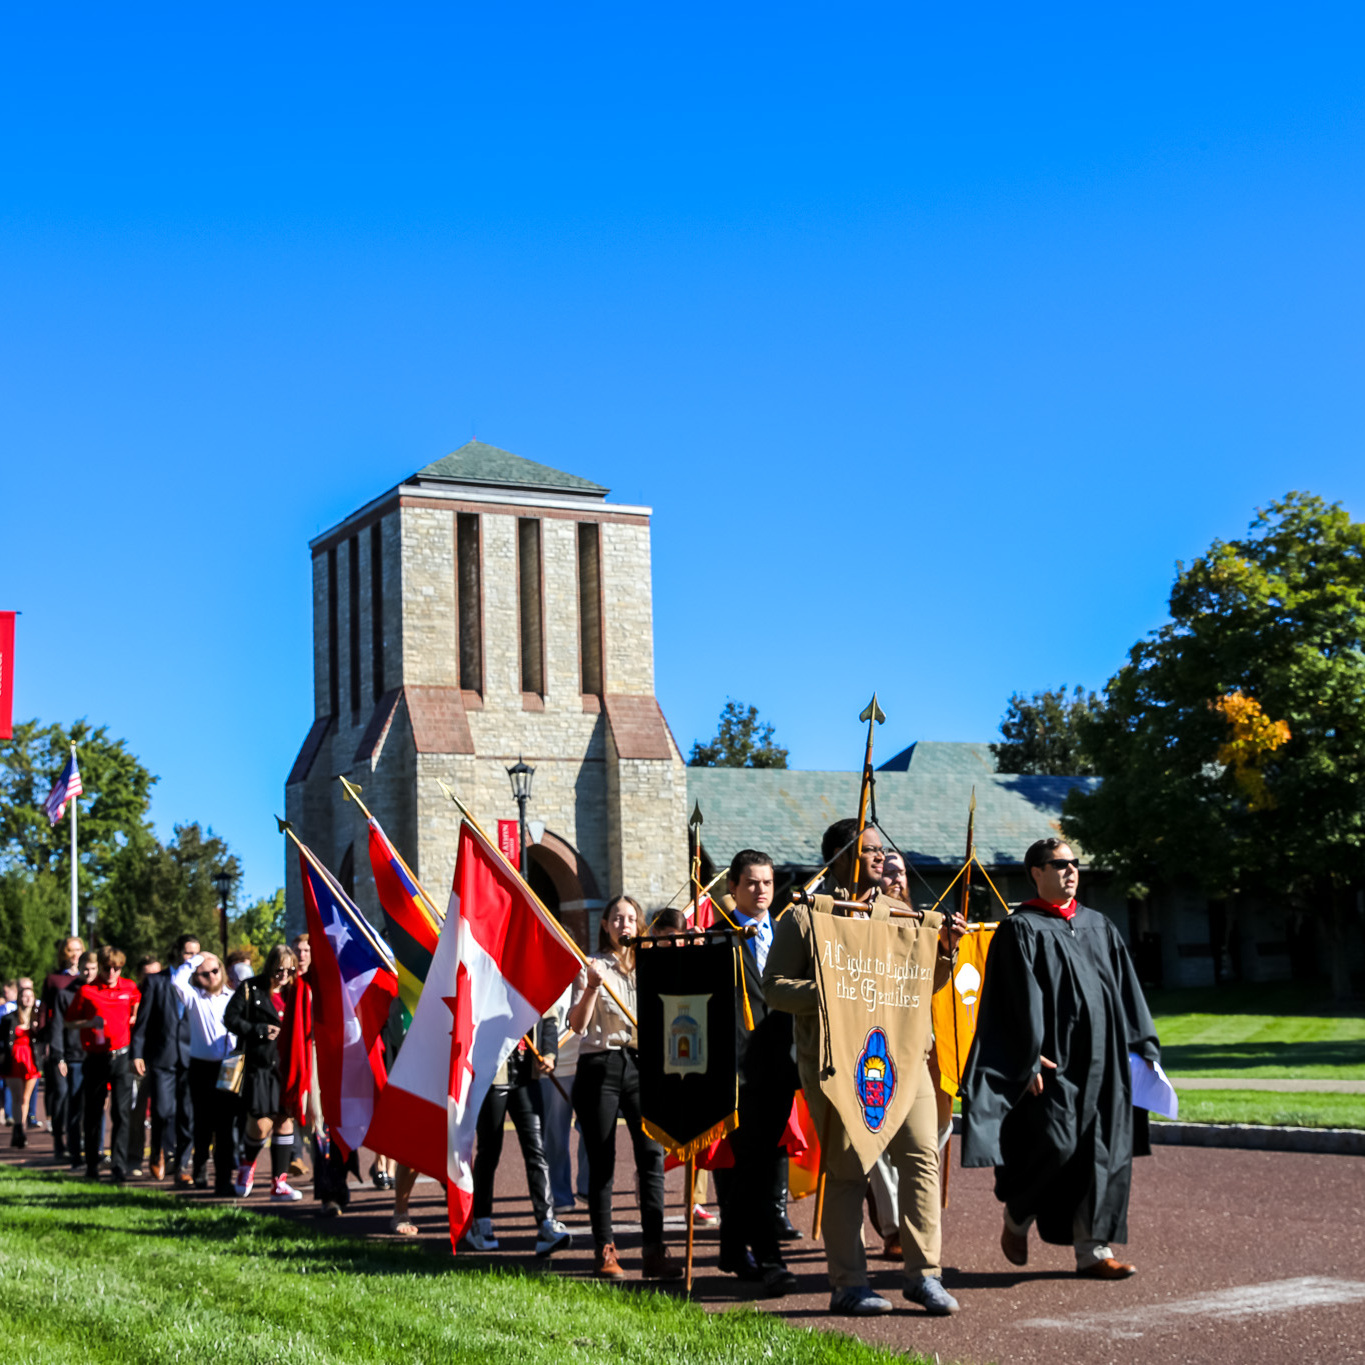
969 858
694 825
874 716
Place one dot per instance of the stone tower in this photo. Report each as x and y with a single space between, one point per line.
490 608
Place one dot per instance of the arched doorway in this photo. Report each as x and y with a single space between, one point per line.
561 877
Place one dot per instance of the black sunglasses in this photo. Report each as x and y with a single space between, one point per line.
1060 863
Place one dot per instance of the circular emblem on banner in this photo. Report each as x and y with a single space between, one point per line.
875 1079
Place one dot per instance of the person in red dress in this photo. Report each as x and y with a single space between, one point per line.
20 1065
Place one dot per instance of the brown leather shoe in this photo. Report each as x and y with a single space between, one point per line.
606 1265
659 1265
158 1168
1014 1245
891 1247
184 1181
1108 1269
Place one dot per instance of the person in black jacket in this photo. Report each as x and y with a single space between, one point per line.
66 1043
256 1015
52 1034
515 1091
749 1224
161 1054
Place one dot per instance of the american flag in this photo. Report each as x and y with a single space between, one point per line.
67 786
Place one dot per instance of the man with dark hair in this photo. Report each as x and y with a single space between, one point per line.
1047 1092
161 1057
749 1232
790 984
104 1010
51 1031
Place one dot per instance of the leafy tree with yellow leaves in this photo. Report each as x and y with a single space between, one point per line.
1232 742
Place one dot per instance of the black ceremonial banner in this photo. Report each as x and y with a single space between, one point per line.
685 995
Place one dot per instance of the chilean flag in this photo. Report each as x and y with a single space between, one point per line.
500 964
353 986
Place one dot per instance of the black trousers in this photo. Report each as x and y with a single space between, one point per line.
608 1084
75 1109
745 1192
55 1092
172 1110
111 1076
523 1103
215 1112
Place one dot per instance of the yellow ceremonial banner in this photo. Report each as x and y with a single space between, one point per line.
876 980
955 1007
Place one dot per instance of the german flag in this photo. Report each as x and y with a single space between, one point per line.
412 921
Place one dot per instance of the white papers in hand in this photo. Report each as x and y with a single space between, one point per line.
1152 1088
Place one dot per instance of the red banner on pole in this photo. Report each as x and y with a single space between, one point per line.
6 675
509 841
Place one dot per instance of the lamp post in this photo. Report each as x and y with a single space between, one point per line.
223 881
521 774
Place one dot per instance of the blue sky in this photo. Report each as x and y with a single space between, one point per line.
934 339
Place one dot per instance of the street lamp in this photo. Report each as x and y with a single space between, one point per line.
521 774
223 881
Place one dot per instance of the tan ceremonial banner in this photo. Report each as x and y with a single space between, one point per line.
876 979
955 1007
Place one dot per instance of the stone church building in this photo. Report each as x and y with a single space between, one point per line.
489 609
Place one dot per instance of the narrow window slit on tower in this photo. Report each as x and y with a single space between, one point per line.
377 609
353 614
528 592
470 601
590 607
333 644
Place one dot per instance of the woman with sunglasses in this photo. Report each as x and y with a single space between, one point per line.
202 986
256 1015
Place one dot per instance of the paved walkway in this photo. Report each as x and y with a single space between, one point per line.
1244 1257
1328 1087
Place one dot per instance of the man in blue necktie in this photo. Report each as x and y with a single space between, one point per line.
749 1243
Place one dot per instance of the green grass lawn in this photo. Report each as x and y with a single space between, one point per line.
1307 1109
1270 1031
93 1274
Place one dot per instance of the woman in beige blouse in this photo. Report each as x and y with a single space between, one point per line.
608 1084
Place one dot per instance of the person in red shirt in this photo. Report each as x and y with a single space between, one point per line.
104 1011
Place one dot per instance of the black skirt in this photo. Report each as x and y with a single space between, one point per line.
261 1093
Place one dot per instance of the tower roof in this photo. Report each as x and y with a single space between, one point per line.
479 463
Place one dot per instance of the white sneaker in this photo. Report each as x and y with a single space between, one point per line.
480 1235
283 1192
554 1236
245 1181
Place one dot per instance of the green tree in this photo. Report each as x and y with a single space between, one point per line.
741 742
35 911
260 926
1042 734
1232 742
113 809
157 892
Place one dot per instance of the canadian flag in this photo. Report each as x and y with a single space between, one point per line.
500 964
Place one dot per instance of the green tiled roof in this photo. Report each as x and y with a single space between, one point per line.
922 806
477 462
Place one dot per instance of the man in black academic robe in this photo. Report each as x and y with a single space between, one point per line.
1047 1092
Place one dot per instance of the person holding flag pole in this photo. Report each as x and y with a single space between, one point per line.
66 788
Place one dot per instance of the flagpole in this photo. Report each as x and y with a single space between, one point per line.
75 801
357 919
352 793
554 923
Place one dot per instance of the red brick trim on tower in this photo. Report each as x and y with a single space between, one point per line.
637 726
303 764
439 722
377 731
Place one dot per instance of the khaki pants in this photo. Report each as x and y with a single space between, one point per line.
913 1153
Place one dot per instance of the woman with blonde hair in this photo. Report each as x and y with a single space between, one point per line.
20 1066
201 984
256 1015
607 1084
